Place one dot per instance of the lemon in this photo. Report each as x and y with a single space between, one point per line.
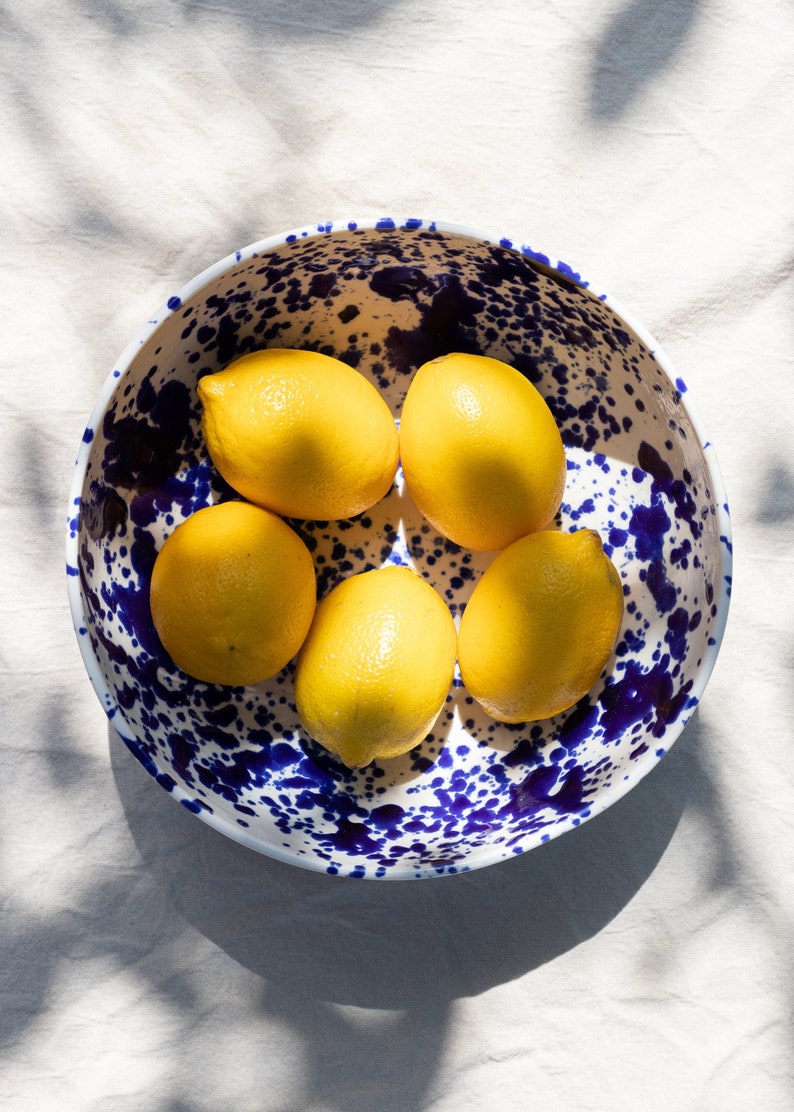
300 433
540 625
374 672
481 453
233 594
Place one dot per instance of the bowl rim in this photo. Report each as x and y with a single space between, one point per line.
194 286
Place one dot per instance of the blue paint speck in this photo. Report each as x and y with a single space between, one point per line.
536 255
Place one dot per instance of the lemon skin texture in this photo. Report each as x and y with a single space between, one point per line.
233 593
375 670
300 433
540 625
481 452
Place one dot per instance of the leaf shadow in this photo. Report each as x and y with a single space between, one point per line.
776 494
637 45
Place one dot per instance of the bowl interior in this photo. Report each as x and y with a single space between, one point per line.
385 299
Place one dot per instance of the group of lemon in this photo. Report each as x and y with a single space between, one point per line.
302 435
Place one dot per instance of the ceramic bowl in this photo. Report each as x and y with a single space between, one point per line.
385 296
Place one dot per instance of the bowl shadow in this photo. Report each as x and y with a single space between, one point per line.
398 945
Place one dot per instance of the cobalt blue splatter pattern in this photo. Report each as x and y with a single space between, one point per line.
385 296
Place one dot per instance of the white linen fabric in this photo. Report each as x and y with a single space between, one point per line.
644 960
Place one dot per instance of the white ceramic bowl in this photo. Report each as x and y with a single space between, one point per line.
385 296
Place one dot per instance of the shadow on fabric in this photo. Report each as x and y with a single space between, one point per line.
309 17
638 43
775 495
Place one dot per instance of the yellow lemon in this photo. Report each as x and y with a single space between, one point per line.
481 453
540 625
233 594
300 433
375 670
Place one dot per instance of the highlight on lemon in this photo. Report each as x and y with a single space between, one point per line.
540 625
481 452
233 594
376 667
300 433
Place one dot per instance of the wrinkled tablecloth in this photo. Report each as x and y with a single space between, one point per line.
644 960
